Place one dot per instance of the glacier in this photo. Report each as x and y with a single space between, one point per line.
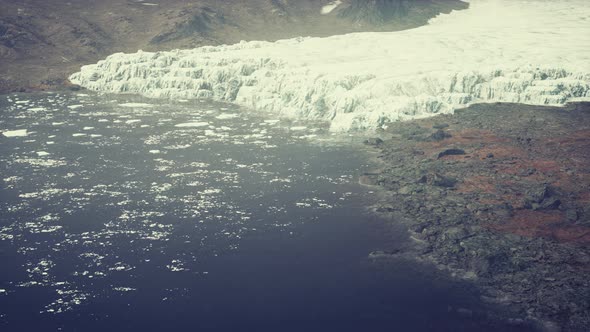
533 52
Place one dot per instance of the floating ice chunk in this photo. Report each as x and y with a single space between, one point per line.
192 125
50 229
78 135
125 289
20 102
36 109
73 107
178 147
327 9
88 128
103 120
227 116
95 135
283 180
298 128
154 151
57 123
272 121
176 266
211 191
132 121
42 153
136 105
308 136
15 133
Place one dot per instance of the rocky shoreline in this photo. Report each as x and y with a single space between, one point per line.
498 194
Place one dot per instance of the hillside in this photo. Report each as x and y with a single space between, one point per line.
41 42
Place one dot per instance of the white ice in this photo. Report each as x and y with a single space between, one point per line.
533 52
227 116
15 133
135 105
192 125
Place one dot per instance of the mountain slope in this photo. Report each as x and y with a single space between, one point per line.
42 41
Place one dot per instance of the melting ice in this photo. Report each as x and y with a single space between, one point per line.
106 197
534 52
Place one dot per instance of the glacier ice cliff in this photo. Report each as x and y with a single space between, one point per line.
533 52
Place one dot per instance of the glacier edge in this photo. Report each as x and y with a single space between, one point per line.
363 81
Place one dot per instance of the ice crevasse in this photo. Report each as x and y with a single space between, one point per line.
533 52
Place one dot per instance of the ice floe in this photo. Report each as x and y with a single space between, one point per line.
226 116
192 125
15 133
136 105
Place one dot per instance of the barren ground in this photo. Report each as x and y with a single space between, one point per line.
498 194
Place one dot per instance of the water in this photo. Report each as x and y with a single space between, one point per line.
119 213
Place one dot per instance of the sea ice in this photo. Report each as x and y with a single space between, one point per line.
227 116
15 133
192 125
136 105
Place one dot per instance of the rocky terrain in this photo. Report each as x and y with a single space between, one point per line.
42 42
498 194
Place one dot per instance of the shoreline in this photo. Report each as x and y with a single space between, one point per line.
496 194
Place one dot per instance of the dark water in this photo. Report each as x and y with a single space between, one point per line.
196 216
